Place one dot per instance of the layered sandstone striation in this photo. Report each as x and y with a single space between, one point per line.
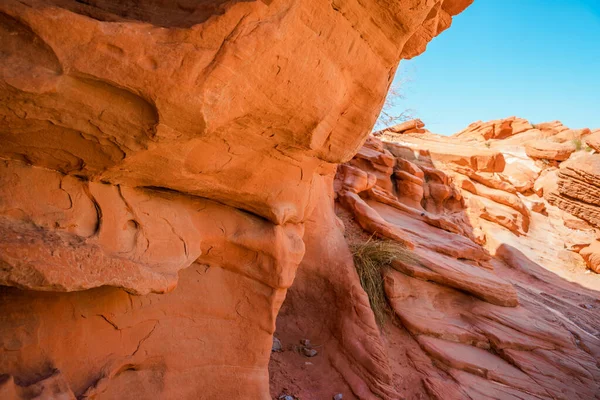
494 300
578 188
164 170
171 197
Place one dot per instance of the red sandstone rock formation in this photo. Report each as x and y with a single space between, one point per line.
169 179
411 126
578 189
498 129
494 301
591 255
593 140
166 167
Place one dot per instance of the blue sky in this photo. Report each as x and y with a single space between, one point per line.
537 59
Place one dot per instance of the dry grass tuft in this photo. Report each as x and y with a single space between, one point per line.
370 258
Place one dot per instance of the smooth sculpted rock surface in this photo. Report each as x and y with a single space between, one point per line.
591 255
593 140
497 129
163 171
545 150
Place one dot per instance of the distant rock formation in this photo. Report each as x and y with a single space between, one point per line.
494 301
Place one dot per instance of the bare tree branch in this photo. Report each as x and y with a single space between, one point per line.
389 115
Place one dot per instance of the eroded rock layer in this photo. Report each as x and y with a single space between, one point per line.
161 165
491 298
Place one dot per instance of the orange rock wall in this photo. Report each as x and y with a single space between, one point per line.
161 163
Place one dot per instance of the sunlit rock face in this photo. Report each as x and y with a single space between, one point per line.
159 164
495 294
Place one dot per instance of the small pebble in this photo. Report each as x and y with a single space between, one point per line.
286 397
277 347
338 396
305 342
309 352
